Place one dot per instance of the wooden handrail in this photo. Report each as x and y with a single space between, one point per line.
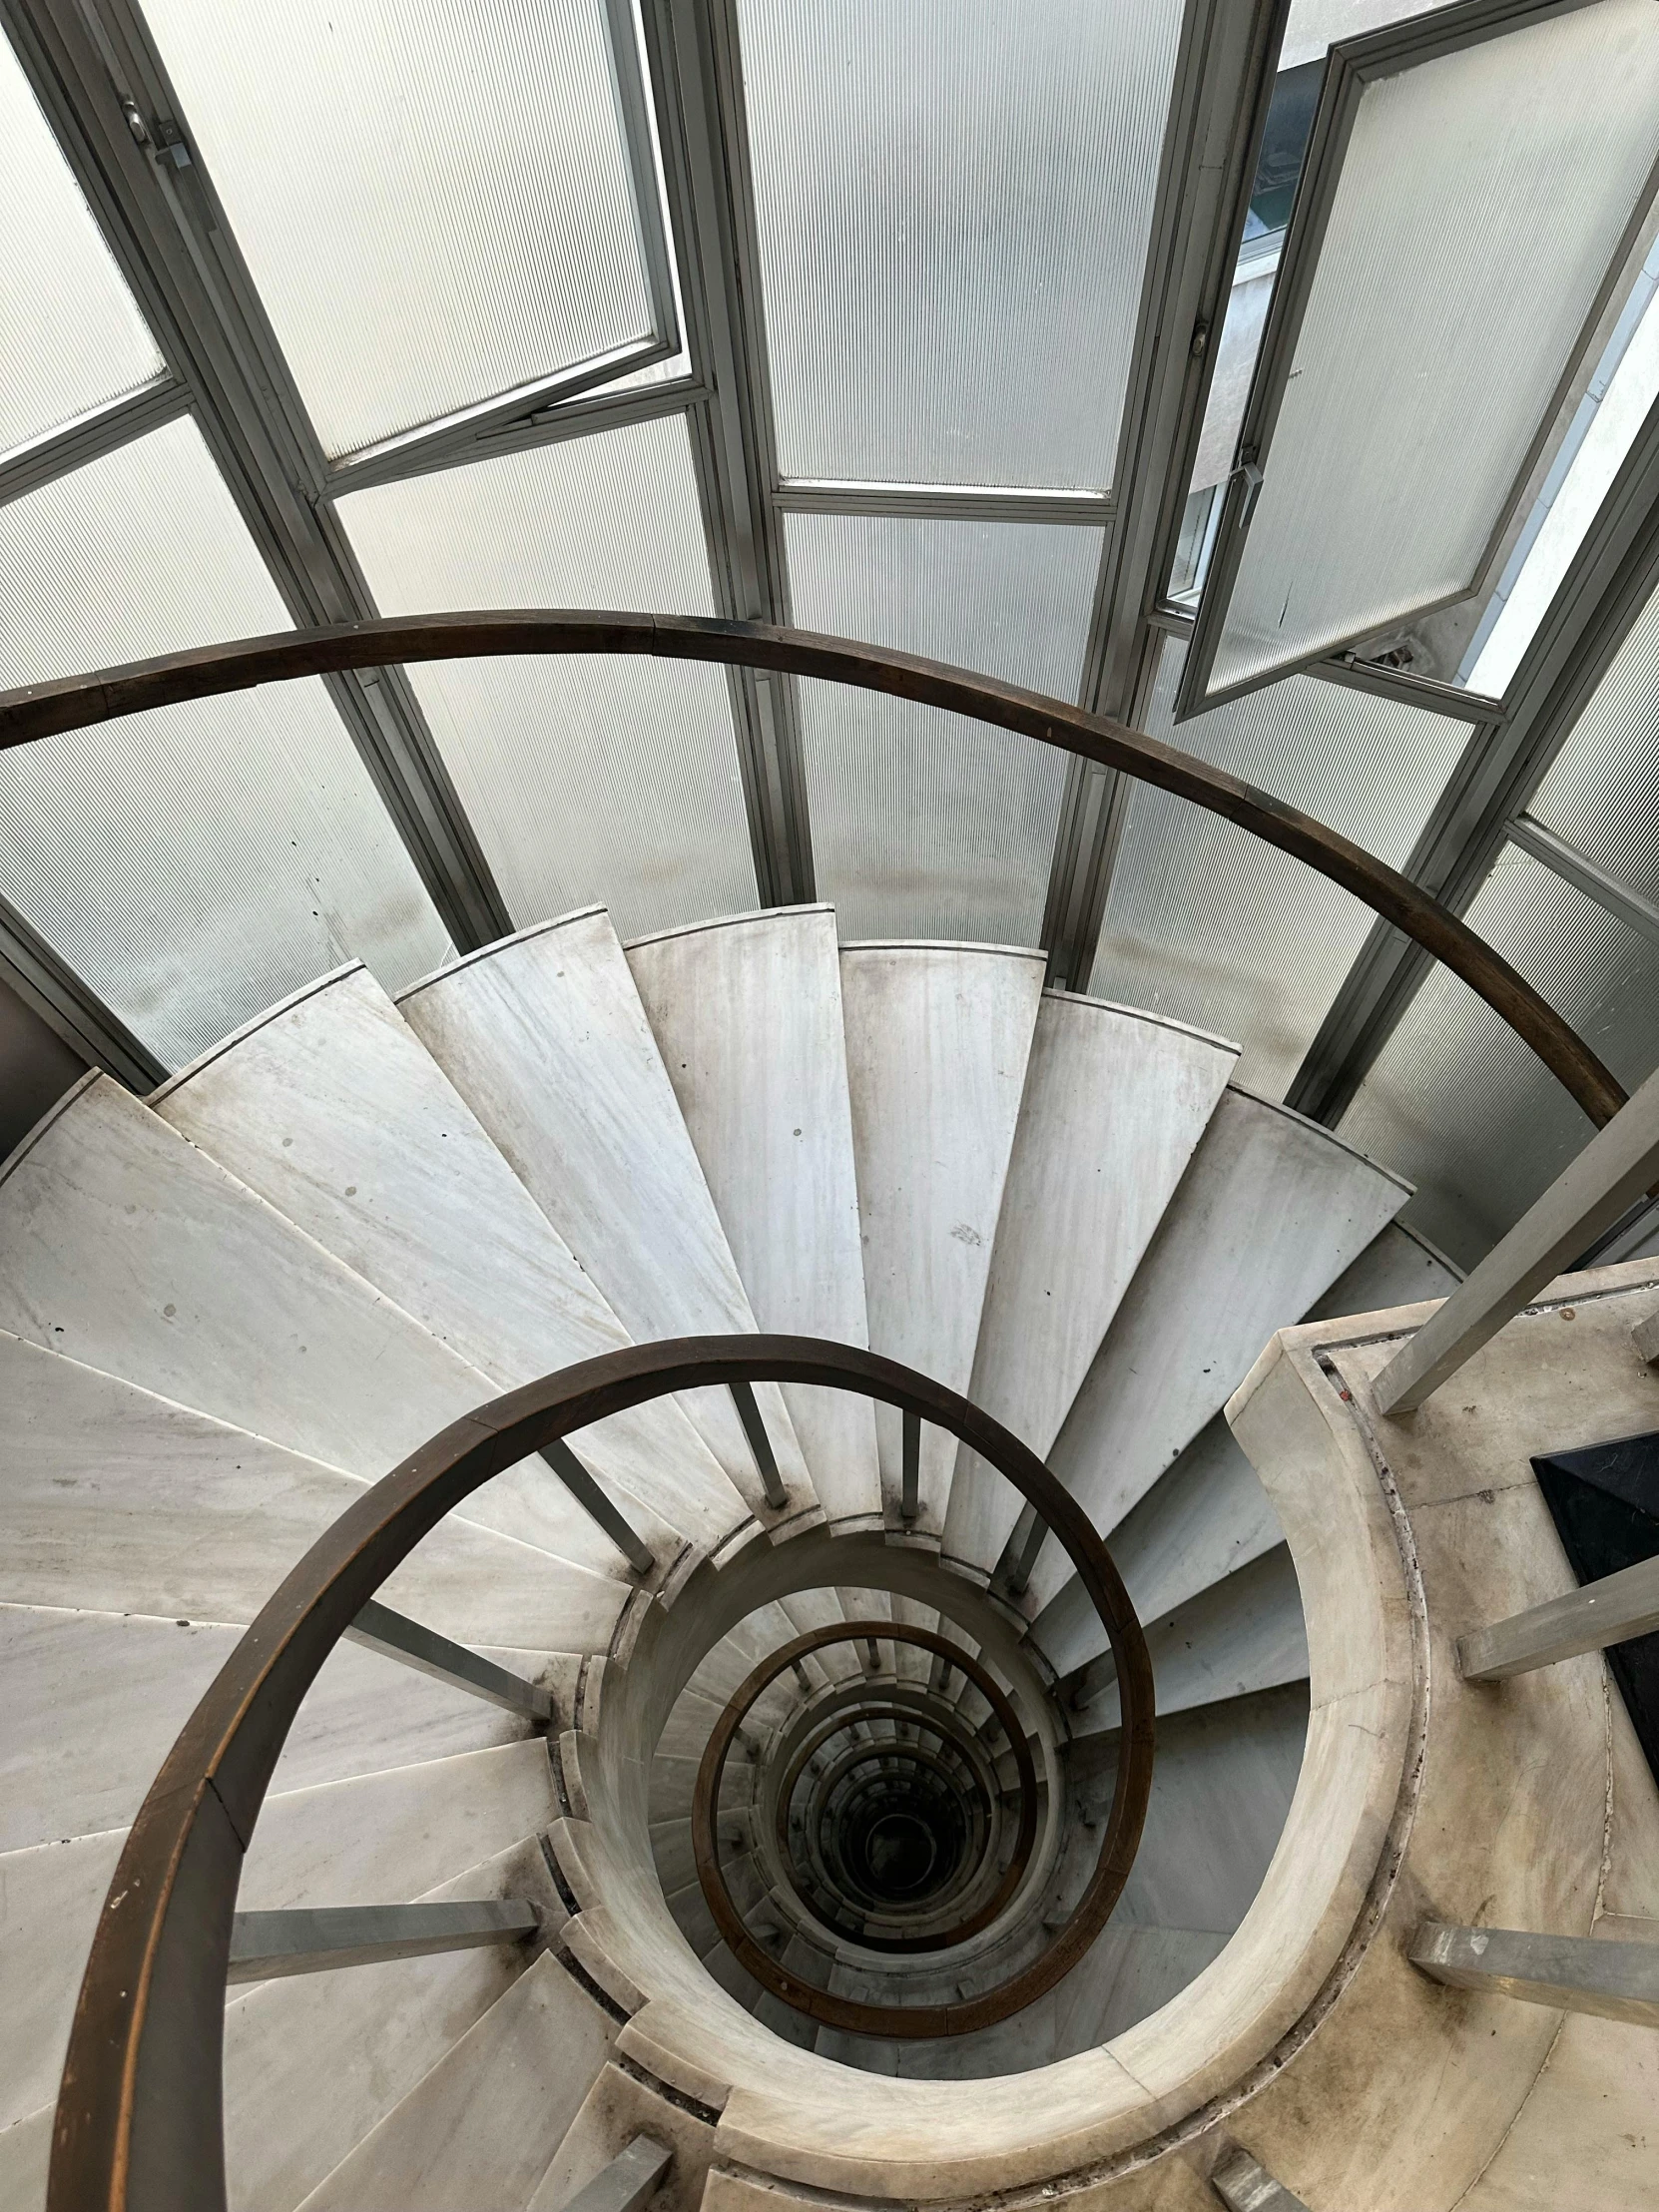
77 702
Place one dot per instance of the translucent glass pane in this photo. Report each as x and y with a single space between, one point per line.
434 199
1423 366
77 339
1207 923
200 861
1602 794
613 780
953 206
1459 1103
927 823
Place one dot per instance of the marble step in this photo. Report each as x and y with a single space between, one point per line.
483 2126
937 1041
545 1038
748 1015
1115 1103
118 1501
330 1107
374 1840
1271 1211
128 1249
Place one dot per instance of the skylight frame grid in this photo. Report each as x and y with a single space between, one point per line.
1352 66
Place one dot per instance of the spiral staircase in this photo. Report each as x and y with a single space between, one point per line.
759 1710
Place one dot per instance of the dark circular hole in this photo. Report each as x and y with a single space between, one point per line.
899 1852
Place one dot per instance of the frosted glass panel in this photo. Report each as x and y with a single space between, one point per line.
584 779
953 206
433 197
1426 363
70 336
1459 1103
927 824
1602 794
1207 923
200 861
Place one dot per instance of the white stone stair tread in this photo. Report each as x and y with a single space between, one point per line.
937 1040
118 1501
618 2107
1239 1636
748 1015
1115 1102
1205 1517
481 2128
330 1107
545 1038
1397 1268
1271 1211
95 1700
344 2047
25 2155
125 1247
372 1841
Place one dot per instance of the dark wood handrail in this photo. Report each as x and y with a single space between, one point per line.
140 2117
75 701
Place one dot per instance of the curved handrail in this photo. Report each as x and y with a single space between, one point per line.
76 702
139 2125
802 1996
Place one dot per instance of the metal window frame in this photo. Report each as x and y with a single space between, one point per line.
1605 593
1352 67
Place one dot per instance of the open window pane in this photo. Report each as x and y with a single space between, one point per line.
1456 1102
927 823
953 206
72 336
1411 380
1207 923
434 200
584 779
199 862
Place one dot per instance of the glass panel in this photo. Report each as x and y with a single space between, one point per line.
927 824
1624 387
584 779
1423 369
200 861
77 339
435 200
1600 793
953 208
1457 1102
1207 923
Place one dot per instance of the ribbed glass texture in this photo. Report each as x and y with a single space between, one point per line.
927 824
953 206
197 862
1459 1104
76 337
1207 923
1600 795
434 199
1426 362
584 779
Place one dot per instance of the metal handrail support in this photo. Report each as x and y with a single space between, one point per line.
1617 1165
628 2181
396 1636
1589 1619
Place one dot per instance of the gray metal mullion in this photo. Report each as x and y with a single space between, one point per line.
99 431
692 49
1584 875
174 246
946 502
632 102
69 1008
1224 81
